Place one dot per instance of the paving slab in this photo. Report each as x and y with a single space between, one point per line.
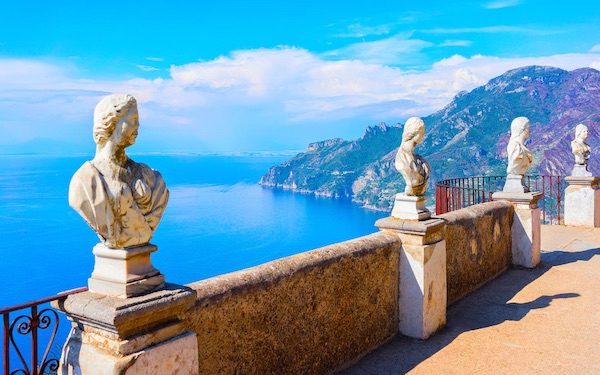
541 321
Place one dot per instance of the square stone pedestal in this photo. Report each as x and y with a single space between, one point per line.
582 202
514 184
526 240
124 272
580 170
138 335
422 282
410 207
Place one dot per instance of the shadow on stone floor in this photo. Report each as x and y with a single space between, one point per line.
486 307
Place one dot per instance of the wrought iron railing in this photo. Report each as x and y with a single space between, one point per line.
456 193
31 324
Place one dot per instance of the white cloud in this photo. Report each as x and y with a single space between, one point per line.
154 58
146 68
492 30
357 30
502 4
245 99
456 43
393 50
595 48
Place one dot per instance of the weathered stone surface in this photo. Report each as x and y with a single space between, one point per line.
138 335
514 184
124 272
422 289
414 232
305 314
127 317
527 200
478 246
582 201
176 356
422 283
410 207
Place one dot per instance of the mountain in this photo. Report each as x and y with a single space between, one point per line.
466 138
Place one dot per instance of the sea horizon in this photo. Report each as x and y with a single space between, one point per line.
218 220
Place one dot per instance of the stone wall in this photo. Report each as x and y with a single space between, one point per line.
305 314
478 246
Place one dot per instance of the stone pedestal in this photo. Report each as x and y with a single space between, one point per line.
410 207
580 170
514 184
124 272
422 285
138 335
526 245
582 202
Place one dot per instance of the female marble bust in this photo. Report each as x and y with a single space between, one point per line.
519 156
121 200
413 167
580 149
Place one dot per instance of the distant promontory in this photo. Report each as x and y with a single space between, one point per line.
466 138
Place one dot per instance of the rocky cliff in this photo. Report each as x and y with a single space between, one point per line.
468 137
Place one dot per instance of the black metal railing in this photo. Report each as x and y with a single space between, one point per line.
456 193
31 324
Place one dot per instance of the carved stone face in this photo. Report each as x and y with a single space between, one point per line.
126 130
583 134
420 135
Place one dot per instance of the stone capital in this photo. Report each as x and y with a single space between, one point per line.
521 199
126 318
416 232
137 335
583 181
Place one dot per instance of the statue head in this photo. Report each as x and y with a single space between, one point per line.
581 132
414 129
109 112
519 128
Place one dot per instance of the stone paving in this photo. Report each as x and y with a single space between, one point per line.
541 321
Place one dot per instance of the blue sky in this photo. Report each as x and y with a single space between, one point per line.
266 75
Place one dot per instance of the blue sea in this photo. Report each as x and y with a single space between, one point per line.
218 220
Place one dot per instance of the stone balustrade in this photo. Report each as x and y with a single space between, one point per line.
314 312
318 311
304 314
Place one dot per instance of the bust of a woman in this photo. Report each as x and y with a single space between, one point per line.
121 200
519 156
413 167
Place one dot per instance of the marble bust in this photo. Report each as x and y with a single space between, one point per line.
121 200
519 156
580 149
413 167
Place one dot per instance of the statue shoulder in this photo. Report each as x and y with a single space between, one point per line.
150 173
85 172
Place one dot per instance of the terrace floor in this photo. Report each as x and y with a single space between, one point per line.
541 321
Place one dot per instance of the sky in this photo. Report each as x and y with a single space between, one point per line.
237 76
